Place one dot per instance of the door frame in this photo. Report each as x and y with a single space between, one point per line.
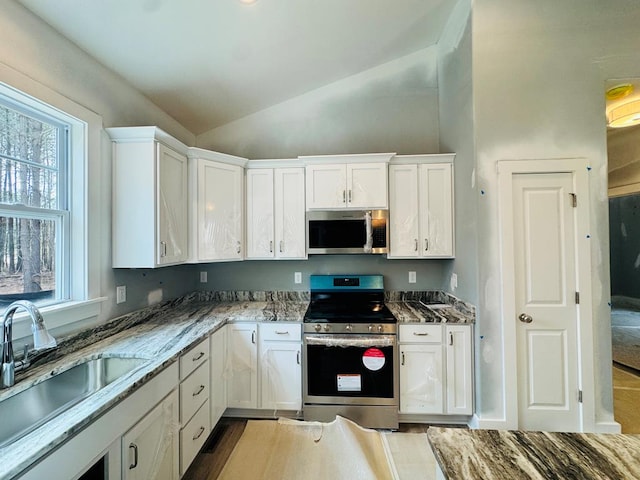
579 169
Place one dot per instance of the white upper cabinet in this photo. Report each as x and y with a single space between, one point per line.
421 208
347 181
216 211
276 213
150 198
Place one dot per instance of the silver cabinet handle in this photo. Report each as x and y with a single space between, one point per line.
239 247
195 394
199 434
426 244
197 357
402 358
349 196
281 246
163 249
298 357
280 332
416 244
135 456
344 196
450 338
270 246
524 318
253 336
420 334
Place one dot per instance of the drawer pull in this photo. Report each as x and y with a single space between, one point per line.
279 332
253 336
421 334
199 434
298 357
450 338
198 357
195 394
135 456
402 358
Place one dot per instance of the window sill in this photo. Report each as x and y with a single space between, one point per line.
58 316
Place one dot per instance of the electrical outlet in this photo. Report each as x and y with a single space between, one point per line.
454 281
154 296
203 277
121 294
412 277
297 277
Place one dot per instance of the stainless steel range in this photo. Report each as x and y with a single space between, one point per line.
350 352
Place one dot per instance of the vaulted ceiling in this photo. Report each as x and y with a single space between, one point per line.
209 62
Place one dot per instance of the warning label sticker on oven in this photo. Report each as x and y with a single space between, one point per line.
349 383
373 359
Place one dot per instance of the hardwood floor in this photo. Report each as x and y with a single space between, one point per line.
626 398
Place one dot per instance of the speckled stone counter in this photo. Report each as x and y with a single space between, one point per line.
429 307
159 335
497 454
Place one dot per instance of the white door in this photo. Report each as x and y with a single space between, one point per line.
421 379
436 210
403 211
545 301
326 186
260 209
219 211
367 185
242 375
281 375
290 227
172 206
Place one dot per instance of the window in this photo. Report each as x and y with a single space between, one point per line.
34 212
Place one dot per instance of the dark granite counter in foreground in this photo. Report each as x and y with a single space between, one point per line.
519 455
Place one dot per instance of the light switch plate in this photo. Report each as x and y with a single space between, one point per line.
203 277
454 281
121 294
412 277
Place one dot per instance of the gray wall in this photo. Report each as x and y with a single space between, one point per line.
278 275
390 108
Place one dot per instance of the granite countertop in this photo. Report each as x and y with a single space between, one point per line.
160 334
499 454
429 307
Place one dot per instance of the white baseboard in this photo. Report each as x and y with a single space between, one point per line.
608 427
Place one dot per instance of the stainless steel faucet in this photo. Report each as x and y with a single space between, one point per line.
41 339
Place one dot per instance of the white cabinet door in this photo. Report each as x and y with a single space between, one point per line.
281 375
218 357
459 370
367 185
242 347
290 227
172 206
326 186
260 213
436 210
403 211
421 379
219 209
150 448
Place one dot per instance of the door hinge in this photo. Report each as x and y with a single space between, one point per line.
574 200
579 396
577 298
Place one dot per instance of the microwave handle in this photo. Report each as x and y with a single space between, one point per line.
369 232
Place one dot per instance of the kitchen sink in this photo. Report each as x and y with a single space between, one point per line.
31 408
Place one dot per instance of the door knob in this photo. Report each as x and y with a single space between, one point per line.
524 318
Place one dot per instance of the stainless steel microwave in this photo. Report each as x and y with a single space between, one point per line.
350 231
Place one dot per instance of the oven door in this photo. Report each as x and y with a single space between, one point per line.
350 369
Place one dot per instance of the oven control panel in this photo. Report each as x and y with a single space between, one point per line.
355 328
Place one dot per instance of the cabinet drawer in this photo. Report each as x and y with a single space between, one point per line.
280 331
192 437
194 391
194 358
419 333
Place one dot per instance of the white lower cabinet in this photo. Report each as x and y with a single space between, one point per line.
218 359
149 449
265 370
280 354
436 369
242 383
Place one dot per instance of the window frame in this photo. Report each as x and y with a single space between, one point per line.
83 302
